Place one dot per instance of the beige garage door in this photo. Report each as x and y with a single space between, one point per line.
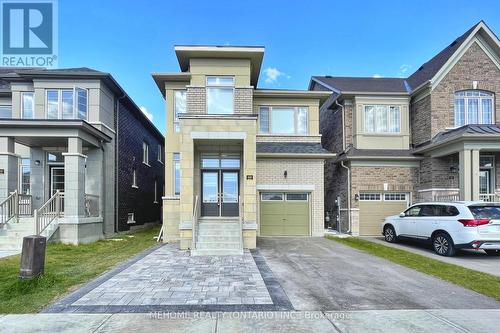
375 207
284 214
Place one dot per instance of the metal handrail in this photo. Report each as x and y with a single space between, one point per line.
9 208
49 211
194 221
240 220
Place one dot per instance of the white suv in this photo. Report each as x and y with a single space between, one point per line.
448 226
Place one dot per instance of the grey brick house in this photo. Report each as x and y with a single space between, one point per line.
78 158
432 136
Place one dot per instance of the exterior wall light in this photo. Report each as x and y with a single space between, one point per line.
356 197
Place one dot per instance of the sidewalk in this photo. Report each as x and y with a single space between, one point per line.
350 321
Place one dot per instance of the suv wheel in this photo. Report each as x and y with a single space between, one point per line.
492 252
390 234
443 245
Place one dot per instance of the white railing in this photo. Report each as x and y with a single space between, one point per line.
9 208
240 220
49 211
441 195
489 197
91 205
446 197
194 222
25 202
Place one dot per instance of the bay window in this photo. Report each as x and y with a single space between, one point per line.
283 120
67 103
179 107
473 107
382 119
220 94
28 110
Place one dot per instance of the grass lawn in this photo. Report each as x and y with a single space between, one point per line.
482 283
66 267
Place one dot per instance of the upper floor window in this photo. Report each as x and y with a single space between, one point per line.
160 153
179 107
5 111
382 119
28 110
283 120
220 94
473 107
145 153
67 103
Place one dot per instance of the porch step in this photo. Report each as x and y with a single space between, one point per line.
216 252
230 238
218 245
11 236
218 236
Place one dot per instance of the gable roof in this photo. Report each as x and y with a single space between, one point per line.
362 84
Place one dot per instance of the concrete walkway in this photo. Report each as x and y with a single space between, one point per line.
4 254
472 259
351 321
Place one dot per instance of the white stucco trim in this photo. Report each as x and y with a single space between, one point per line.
285 187
74 154
10 154
438 189
219 135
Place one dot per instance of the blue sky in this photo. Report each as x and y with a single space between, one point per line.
131 39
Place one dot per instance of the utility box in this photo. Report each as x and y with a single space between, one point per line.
32 257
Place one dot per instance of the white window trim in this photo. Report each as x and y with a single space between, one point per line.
131 220
295 119
371 193
33 104
398 193
226 87
155 201
7 106
59 103
479 108
145 153
374 132
160 154
268 200
134 179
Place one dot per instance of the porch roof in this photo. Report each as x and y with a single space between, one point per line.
472 133
51 132
377 154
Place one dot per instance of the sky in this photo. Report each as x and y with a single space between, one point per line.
132 39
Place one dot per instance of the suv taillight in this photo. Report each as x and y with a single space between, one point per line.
473 222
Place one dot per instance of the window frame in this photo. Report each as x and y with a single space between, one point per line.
75 111
7 106
145 153
296 109
131 218
177 124
282 194
134 179
176 160
396 194
160 157
222 87
490 96
24 93
388 119
22 167
155 201
361 198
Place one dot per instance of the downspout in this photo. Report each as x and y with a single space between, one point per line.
343 124
349 219
117 130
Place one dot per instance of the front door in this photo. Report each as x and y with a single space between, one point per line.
219 193
485 181
56 179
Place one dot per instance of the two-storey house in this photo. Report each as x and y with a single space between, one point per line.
432 136
78 158
240 161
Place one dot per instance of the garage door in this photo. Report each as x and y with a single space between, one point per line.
375 207
284 214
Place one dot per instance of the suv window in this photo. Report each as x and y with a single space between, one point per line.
413 211
485 212
448 211
429 210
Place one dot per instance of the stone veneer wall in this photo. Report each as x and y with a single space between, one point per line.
420 120
299 172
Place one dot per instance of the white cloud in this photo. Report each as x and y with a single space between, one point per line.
273 74
377 76
403 69
146 113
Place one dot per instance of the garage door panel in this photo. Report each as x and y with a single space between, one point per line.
373 213
284 218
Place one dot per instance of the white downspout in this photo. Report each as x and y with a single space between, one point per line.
349 219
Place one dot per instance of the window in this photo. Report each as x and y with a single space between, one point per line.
220 95
131 218
5 111
215 160
485 212
283 120
25 176
382 119
27 105
395 197
145 153
370 197
177 174
179 107
269 196
473 107
55 157
134 179
160 153
448 211
296 196
67 103
413 211
429 210
156 193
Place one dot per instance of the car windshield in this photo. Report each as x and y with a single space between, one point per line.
485 212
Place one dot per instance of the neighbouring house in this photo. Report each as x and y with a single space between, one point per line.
240 161
432 136
78 159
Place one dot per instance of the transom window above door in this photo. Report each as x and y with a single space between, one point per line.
67 103
223 161
382 119
283 120
220 94
473 107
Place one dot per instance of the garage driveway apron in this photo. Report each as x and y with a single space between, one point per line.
321 274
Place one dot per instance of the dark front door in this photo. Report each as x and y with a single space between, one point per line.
219 193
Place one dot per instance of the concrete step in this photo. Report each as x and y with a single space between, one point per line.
218 245
216 252
219 226
218 238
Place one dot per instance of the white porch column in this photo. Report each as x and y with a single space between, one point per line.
74 179
475 174
464 157
9 167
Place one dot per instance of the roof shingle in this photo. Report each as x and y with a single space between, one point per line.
290 148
